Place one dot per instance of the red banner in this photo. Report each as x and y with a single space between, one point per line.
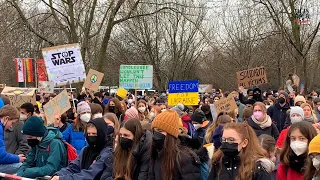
42 75
20 73
29 69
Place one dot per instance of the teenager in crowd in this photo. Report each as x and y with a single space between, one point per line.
143 111
268 144
74 134
132 156
295 151
95 160
114 106
26 111
312 171
169 160
243 157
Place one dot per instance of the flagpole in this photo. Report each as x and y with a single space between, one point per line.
36 72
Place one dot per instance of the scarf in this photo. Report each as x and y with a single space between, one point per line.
265 123
309 119
297 163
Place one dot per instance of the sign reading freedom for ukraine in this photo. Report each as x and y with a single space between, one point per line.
136 76
185 92
64 64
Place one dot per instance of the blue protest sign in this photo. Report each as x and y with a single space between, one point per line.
183 86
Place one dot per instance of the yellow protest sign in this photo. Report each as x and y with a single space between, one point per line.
19 96
188 99
122 92
57 106
225 105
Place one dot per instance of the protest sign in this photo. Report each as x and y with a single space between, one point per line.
205 88
136 76
64 64
57 106
93 80
45 87
183 86
19 96
252 77
225 105
122 93
188 99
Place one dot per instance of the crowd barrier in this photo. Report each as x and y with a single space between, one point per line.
15 177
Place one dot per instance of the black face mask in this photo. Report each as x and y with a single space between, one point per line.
282 100
229 149
110 130
126 143
92 140
111 108
33 142
158 140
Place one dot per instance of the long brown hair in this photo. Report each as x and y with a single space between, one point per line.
113 118
143 116
249 154
307 130
117 109
123 162
79 125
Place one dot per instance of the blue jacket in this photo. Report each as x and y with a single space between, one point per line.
6 158
75 172
75 138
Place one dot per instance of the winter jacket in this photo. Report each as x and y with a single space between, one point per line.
75 138
229 170
5 157
187 167
46 158
240 110
141 157
199 135
284 173
15 142
278 115
272 130
186 120
61 129
94 172
246 101
282 138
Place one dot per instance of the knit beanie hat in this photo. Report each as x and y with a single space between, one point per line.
314 146
299 99
34 127
198 117
83 107
167 121
132 113
179 109
296 110
286 95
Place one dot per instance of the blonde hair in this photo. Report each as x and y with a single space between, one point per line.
10 111
113 118
222 119
315 120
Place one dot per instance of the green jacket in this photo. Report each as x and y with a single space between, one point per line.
46 158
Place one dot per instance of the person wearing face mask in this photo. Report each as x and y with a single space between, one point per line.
114 127
74 134
155 110
312 171
198 120
114 106
277 112
95 160
170 160
295 151
242 156
243 99
261 123
48 154
142 111
9 163
132 156
26 111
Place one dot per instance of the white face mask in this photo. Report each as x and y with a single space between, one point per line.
142 109
98 115
85 117
23 117
295 119
163 110
299 147
152 115
130 101
316 163
197 126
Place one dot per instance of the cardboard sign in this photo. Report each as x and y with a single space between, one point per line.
188 99
64 64
136 76
183 86
93 80
252 77
45 87
57 106
205 88
19 96
225 105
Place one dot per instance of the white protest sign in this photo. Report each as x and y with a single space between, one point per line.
64 64
205 88
136 76
45 87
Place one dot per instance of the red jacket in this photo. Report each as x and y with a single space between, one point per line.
185 120
286 173
282 138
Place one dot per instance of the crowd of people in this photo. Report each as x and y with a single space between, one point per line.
270 135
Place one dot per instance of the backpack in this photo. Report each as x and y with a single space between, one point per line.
191 129
70 150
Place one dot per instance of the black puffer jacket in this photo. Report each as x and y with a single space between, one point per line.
229 170
272 130
141 157
278 115
187 167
